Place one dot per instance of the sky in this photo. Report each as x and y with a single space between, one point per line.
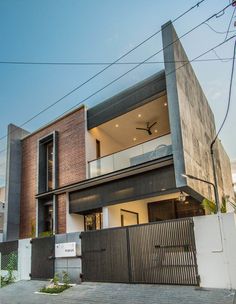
101 31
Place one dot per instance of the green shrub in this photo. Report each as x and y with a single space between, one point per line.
55 289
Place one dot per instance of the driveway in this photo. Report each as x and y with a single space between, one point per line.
106 293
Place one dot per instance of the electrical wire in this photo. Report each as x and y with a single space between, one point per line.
192 60
219 32
98 112
228 29
104 63
215 15
229 96
107 67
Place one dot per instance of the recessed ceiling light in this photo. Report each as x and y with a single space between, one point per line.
134 139
165 104
139 115
117 126
155 130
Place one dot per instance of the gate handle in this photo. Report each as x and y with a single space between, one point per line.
51 257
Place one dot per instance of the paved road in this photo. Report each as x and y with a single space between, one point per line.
104 293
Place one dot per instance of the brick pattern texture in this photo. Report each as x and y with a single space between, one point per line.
61 217
71 166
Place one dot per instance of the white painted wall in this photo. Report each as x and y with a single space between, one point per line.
74 222
112 214
215 237
24 259
108 144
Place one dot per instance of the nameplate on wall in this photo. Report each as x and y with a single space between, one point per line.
65 250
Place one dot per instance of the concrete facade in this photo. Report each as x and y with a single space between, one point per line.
72 265
13 182
192 123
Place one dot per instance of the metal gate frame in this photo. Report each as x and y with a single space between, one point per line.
157 253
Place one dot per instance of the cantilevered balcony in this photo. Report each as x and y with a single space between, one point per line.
145 152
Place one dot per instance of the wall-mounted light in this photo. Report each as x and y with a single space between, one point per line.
139 115
155 130
117 126
182 197
165 104
134 139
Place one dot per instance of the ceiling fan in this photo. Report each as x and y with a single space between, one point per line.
148 128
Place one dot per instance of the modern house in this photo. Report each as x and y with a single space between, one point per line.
120 162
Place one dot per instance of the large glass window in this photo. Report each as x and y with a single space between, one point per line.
93 221
173 209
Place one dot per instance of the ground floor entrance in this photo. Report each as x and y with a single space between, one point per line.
161 253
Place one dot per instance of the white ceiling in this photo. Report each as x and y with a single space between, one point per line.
123 128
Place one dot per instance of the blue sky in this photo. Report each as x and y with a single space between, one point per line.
100 30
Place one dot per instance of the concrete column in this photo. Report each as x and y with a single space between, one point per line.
13 182
105 215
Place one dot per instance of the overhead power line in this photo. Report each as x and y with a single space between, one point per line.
118 59
219 32
215 15
230 21
103 63
229 97
192 60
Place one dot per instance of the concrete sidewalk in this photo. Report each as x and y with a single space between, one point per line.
106 293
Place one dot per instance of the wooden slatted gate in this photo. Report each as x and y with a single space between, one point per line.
158 253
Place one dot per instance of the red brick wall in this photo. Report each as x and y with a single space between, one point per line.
61 224
71 165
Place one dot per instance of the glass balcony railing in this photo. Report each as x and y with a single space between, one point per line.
147 151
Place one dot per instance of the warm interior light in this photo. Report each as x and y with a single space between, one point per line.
155 130
182 197
139 115
165 104
134 139
117 126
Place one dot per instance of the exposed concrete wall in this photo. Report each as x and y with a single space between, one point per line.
13 182
191 119
71 265
224 173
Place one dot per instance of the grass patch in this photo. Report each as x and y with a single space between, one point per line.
54 289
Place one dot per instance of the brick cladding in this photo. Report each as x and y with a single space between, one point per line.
61 216
71 167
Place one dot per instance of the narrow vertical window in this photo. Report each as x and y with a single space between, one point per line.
49 160
47 163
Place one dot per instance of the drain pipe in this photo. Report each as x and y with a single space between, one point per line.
217 200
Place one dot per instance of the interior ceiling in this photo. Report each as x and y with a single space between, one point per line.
123 128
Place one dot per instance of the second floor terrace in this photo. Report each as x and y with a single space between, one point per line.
136 137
